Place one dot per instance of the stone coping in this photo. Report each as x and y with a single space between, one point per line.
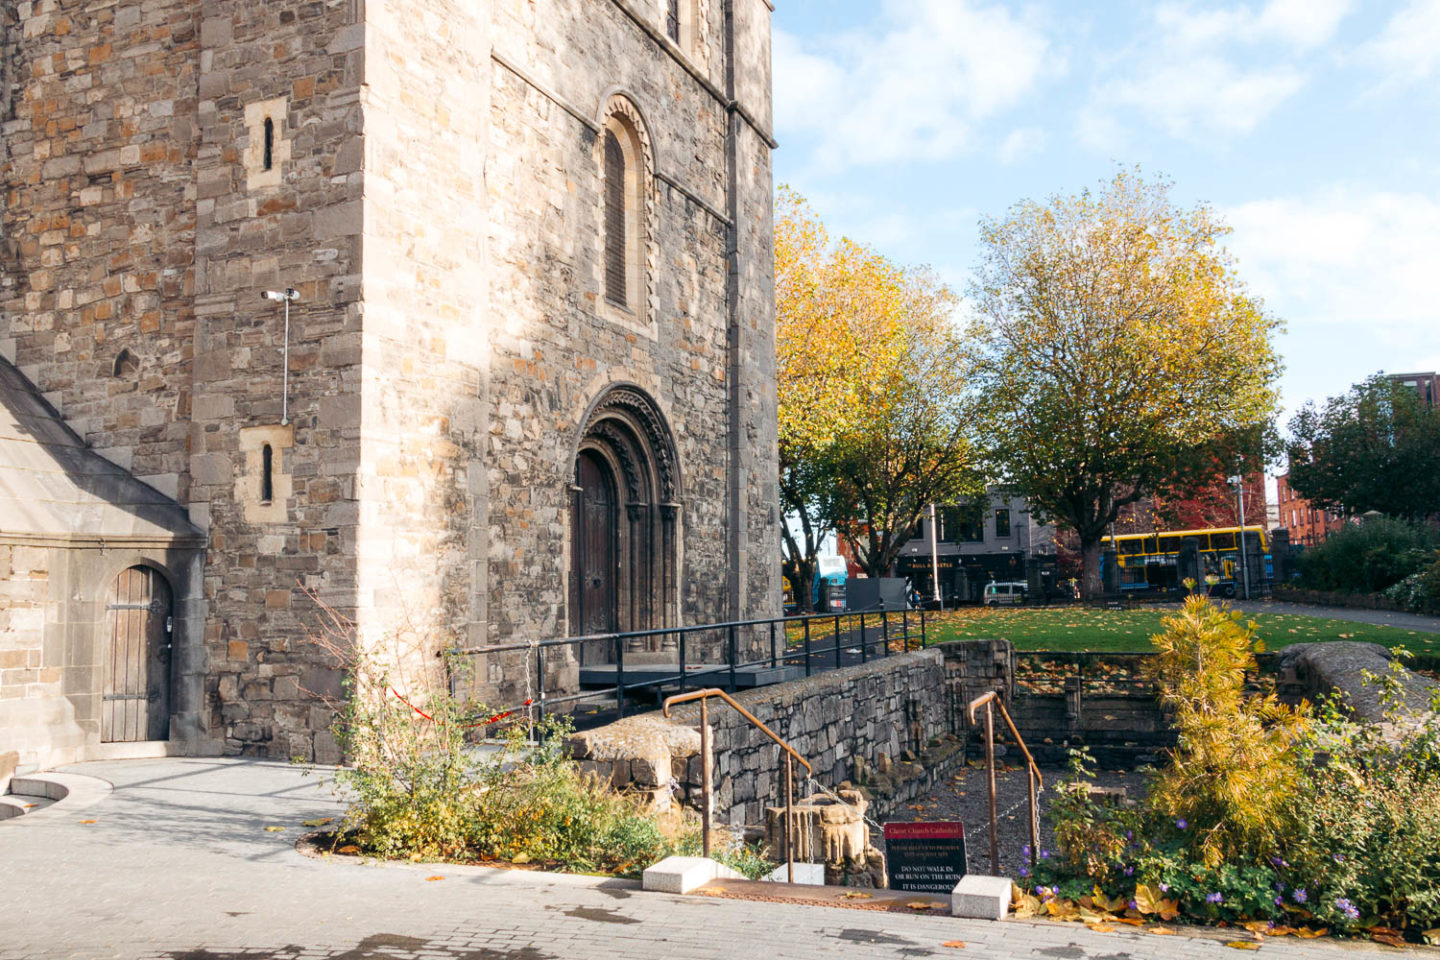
70 791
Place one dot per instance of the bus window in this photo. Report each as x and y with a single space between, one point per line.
1170 544
1222 541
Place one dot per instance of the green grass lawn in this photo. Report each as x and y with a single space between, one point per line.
1084 628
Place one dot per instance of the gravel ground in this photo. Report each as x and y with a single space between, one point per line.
965 798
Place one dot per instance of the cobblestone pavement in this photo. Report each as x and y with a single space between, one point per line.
178 865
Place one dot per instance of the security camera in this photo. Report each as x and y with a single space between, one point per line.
289 293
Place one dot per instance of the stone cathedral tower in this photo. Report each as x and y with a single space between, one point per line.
526 389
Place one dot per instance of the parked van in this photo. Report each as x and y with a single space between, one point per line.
997 594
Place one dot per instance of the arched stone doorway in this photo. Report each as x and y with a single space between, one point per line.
625 524
135 665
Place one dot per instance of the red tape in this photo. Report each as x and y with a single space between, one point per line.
498 716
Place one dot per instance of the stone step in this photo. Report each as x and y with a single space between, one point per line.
19 804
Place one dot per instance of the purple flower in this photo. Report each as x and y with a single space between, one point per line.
1182 823
1300 895
1347 908
1278 862
1279 900
1024 871
1214 898
1164 888
1339 858
1025 850
1129 835
1044 854
1133 905
1040 891
1129 871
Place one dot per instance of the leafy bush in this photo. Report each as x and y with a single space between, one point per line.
423 788
1368 557
1232 770
1262 814
1420 591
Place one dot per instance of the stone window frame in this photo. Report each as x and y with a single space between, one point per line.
250 481
257 113
621 116
693 15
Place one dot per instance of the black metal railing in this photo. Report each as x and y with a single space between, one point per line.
853 636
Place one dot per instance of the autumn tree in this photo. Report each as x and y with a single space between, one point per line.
871 392
1376 447
1121 356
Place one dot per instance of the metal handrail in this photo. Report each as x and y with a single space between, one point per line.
1034 781
704 697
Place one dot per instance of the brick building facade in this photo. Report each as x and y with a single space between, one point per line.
1306 524
528 382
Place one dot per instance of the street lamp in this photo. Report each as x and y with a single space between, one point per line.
286 296
1238 482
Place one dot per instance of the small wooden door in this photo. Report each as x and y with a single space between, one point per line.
595 547
135 703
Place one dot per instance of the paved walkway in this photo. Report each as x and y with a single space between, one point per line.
178 865
1383 618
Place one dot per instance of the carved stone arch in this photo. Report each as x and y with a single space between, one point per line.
621 115
624 555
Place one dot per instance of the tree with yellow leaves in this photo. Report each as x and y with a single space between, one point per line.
874 417
1121 355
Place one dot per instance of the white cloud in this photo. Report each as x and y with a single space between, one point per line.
1346 256
1407 50
915 88
1199 72
1021 144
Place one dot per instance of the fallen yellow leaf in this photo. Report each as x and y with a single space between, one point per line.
1243 945
274 829
954 944
1163 931
89 821
436 877
318 823
520 858
856 895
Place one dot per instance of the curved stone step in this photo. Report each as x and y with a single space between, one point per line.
18 804
39 796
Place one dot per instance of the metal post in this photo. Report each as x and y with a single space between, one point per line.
905 626
1034 820
934 556
789 819
681 645
540 681
619 678
731 633
705 774
885 631
990 776
922 628
773 661
837 641
285 377
807 646
864 646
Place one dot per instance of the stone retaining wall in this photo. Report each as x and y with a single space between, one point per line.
1331 598
886 713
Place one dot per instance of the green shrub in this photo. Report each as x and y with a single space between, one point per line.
1420 591
1232 771
1263 814
422 787
1368 557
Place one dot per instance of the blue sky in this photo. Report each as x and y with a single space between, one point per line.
1311 125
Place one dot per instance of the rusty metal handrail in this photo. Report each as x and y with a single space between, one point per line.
790 756
1034 781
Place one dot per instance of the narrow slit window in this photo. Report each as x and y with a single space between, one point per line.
267 473
672 20
616 261
269 143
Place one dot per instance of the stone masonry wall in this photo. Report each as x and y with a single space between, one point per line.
298 225
97 255
831 719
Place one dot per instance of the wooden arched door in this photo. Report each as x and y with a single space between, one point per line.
594 593
135 702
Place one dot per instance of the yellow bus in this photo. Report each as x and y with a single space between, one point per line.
1149 561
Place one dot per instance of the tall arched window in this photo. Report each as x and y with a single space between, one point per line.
625 173
617 260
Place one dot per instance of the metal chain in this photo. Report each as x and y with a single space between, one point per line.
984 827
833 796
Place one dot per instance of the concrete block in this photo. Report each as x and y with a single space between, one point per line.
979 897
683 874
809 874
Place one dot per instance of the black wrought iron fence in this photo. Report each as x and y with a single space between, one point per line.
787 647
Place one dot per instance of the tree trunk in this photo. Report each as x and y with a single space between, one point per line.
1091 586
